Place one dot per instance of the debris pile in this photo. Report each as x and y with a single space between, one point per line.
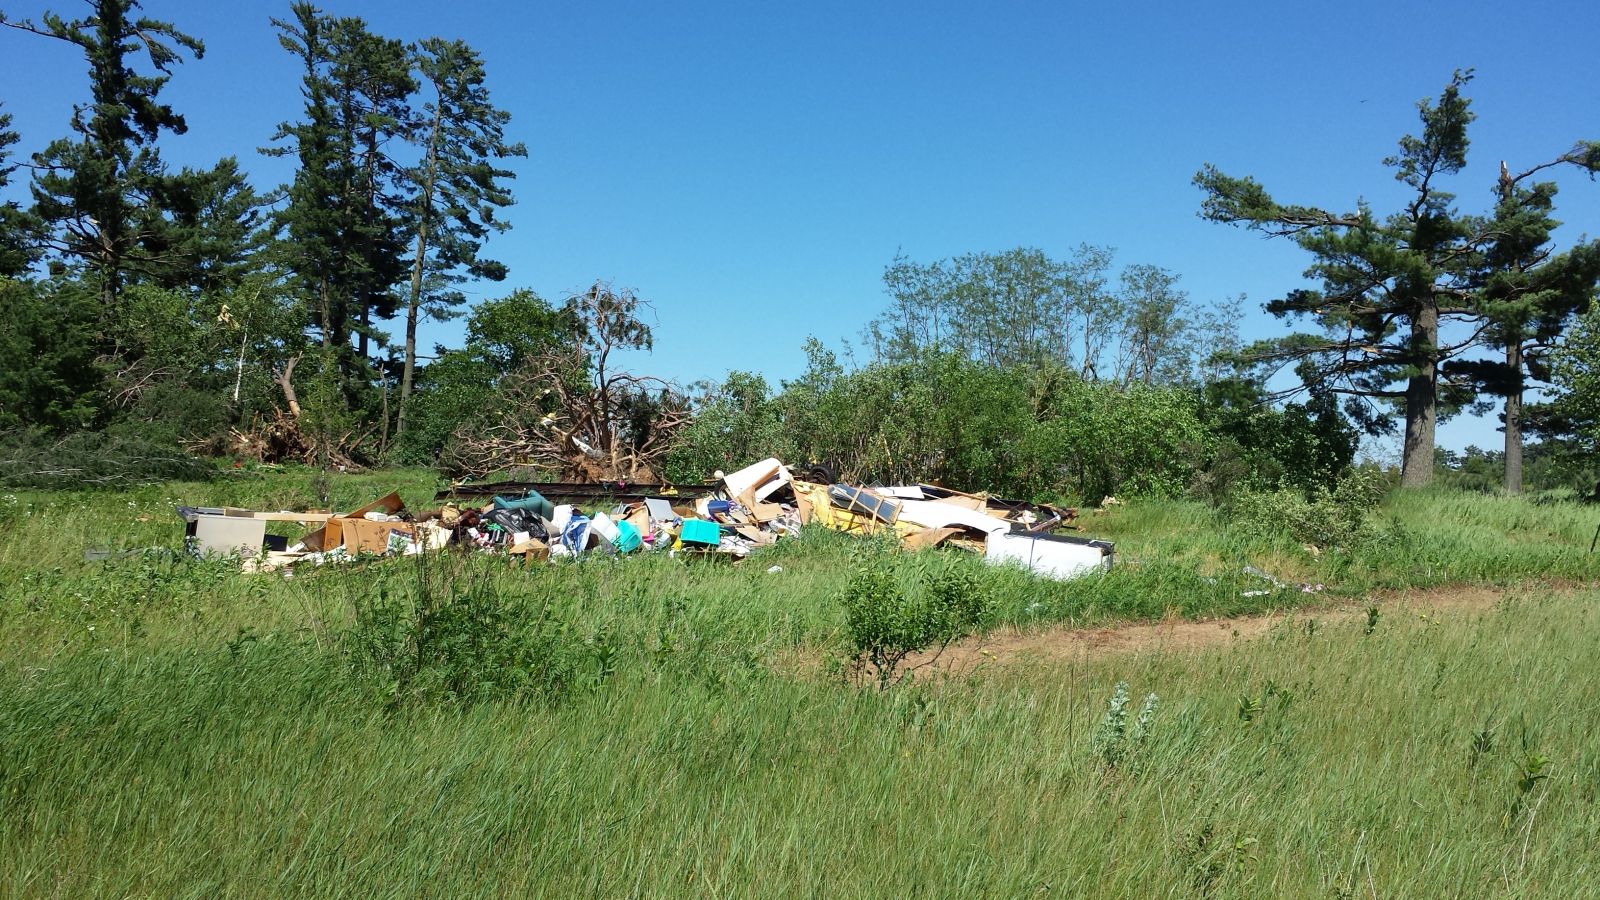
739 514
381 528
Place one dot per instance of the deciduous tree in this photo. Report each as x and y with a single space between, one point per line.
1571 417
1158 340
1010 308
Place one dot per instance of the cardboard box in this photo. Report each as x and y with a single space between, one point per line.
531 550
362 536
332 535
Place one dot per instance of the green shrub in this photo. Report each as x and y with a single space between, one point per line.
1336 518
468 645
938 416
887 620
52 377
1095 440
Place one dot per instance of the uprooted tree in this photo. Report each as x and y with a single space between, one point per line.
1400 295
570 410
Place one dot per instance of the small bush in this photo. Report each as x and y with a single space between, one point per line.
887 623
1336 518
469 646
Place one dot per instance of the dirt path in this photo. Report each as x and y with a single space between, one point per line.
1063 643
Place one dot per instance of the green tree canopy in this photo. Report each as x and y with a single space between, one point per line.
1398 295
457 188
1528 293
17 252
101 195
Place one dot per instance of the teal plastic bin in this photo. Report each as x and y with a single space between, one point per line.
700 533
534 503
628 537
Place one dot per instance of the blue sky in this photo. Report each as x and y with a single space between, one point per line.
751 167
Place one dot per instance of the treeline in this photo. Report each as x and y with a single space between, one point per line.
1030 376
536 384
1042 431
189 308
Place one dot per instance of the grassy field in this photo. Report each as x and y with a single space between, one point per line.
174 728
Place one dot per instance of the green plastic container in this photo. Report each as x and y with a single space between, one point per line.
628 537
700 532
534 503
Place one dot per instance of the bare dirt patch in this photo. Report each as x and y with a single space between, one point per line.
1062 643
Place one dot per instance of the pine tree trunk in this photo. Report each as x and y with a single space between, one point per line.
383 379
1513 429
327 313
371 201
1422 398
414 304
1513 482
108 292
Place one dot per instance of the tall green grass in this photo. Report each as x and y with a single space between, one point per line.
175 728
259 770
1173 558
1422 539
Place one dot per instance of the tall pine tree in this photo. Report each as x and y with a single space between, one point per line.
1527 292
344 238
1388 285
371 77
216 227
99 195
16 226
459 186
313 218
